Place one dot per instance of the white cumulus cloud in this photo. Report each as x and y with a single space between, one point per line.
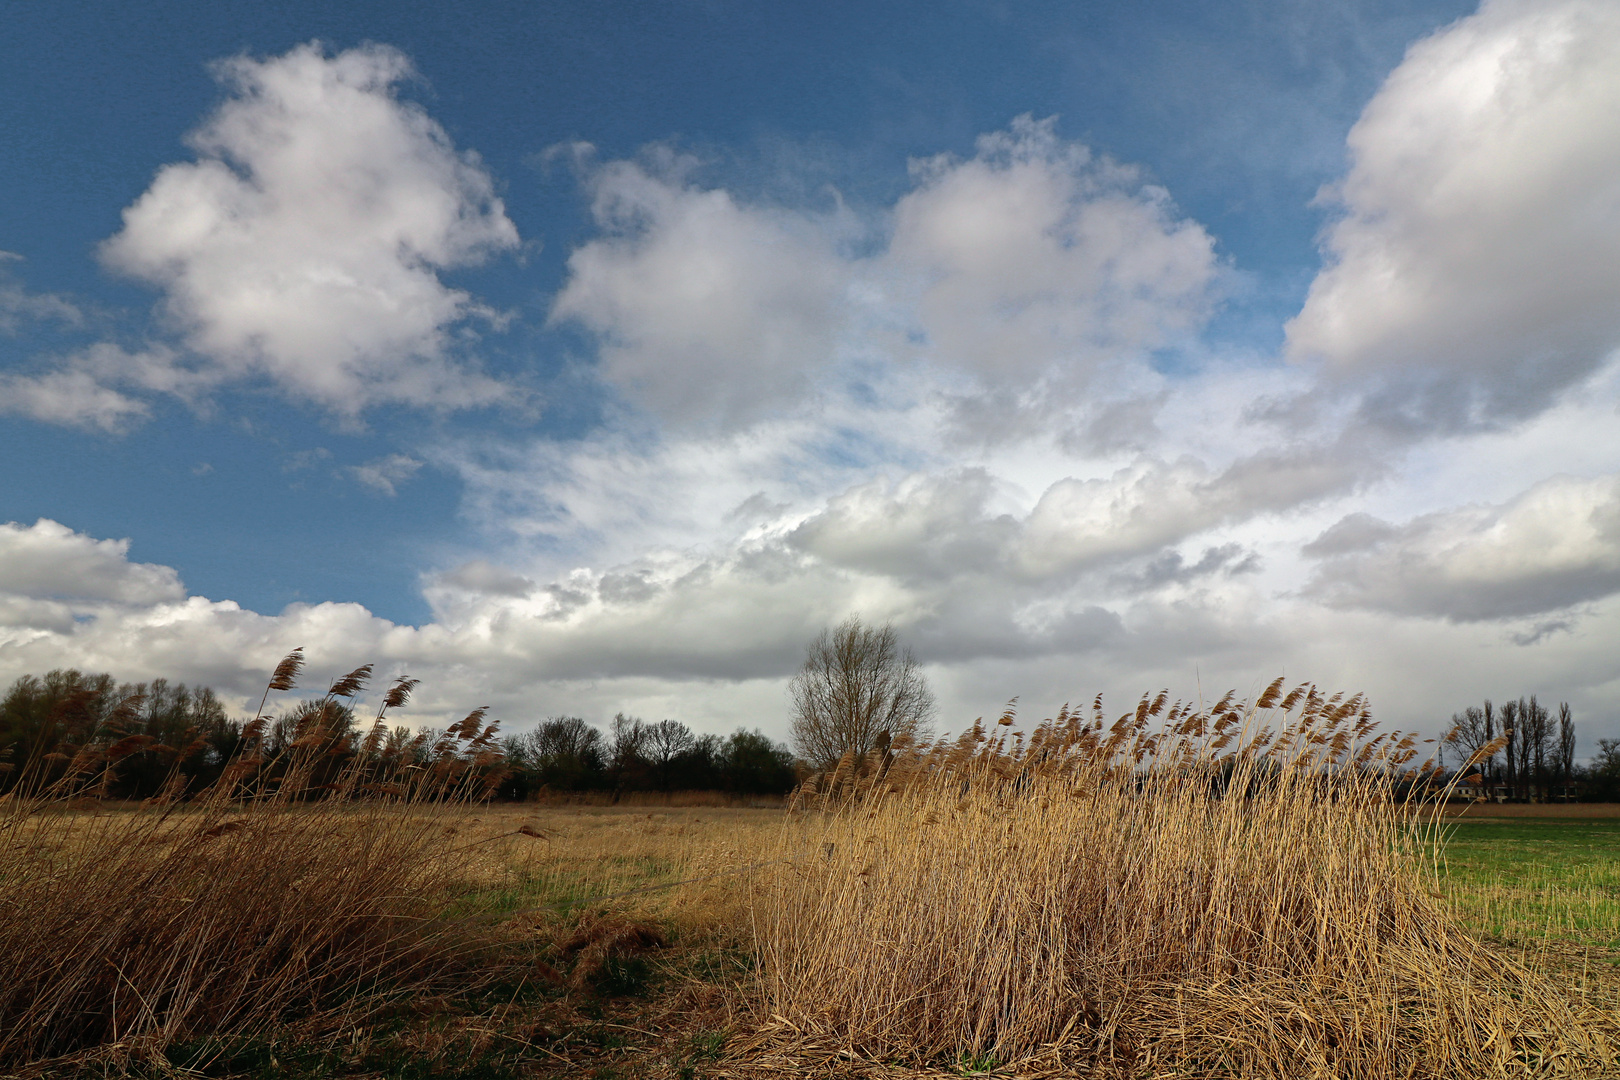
48 560
1035 253
798 379
303 245
1473 273
705 309
1033 259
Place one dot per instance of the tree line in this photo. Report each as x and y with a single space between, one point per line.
45 721
856 689
566 754
167 737
1522 750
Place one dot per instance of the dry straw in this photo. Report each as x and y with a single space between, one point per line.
1237 891
297 882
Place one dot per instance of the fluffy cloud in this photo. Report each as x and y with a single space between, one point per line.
68 599
939 528
483 578
706 309
924 528
73 398
711 638
738 615
1029 260
794 450
1473 273
1555 545
1152 504
80 392
47 560
303 245
612 497
1034 254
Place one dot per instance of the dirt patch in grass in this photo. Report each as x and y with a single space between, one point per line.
1514 811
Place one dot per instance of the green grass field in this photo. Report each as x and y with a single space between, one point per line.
1528 881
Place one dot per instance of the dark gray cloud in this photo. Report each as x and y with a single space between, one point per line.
1172 568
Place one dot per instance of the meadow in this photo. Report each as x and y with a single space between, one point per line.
1539 883
1138 899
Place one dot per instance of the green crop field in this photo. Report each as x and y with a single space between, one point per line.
1538 884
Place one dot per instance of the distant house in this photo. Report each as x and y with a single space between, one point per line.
1502 793
1484 792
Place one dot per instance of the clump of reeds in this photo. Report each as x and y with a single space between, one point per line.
1237 891
303 879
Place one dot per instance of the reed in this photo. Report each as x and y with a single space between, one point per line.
304 882
1242 890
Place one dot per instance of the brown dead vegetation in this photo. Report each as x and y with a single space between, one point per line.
1182 893
1239 891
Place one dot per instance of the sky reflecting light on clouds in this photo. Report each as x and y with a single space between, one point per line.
600 366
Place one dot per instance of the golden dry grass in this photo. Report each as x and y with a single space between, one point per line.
289 885
136 928
1060 914
1201 895
424 933
591 852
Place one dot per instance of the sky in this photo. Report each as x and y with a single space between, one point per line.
579 358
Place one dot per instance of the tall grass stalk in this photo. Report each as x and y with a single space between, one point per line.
1234 891
291 885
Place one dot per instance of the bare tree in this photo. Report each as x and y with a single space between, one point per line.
1535 747
628 736
666 741
857 689
1547 753
1566 746
1510 728
1473 730
565 740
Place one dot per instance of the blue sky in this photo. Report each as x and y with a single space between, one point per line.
586 357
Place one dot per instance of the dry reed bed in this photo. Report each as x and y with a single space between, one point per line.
141 929
1243 891
304 882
